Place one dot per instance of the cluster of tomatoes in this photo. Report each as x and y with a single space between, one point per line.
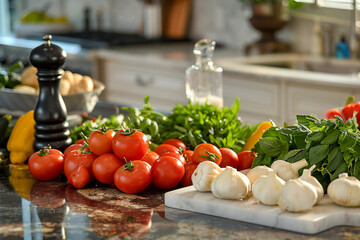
346 112
124 159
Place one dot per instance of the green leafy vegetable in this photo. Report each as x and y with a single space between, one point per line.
10 79
192 123
88 126
332 145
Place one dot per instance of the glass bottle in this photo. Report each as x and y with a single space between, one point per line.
204 79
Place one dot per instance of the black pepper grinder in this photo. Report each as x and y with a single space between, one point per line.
50 110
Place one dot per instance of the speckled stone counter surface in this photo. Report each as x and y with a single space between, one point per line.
30 209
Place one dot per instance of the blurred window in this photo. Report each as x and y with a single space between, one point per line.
339 4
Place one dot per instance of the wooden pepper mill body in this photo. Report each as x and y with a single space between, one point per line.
50 110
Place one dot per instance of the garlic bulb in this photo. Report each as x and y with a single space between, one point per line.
306 176
345 191
204 174
297 196
230 184
286 170
256 172
266 188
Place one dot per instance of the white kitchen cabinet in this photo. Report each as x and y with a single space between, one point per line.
264 93
127 83
259 99
313 99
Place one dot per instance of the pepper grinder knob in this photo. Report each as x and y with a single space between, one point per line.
50 113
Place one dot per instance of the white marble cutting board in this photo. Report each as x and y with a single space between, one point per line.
323 216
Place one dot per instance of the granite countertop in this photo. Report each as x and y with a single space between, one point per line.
30 209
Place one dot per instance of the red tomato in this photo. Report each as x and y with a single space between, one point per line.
101 142
105 166
72 147
332 113
177 143
46 164
188 155
167 172
246 158
189 169
206 152
178 156
150 157
75 159
348 110
229 158
79 177
165 148
80 141
134 177
131 146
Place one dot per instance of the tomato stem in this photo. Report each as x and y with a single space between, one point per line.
103 128
84 137
210 156
186 158
128 166
127 132
45 151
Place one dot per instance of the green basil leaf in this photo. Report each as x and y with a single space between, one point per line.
341 169
258 160
315 136
318 153
332 137
291 154
270 147
267 160
299 141
335 159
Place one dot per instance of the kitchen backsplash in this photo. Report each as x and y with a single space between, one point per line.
225 21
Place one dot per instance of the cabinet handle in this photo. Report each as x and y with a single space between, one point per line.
143 81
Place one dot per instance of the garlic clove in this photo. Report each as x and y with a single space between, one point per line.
266 188
204 174
345 191
306 176
256 172
286 170
297 196
230 184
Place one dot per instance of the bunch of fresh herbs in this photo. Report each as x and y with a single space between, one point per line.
9 79
191 123
199 123
332 145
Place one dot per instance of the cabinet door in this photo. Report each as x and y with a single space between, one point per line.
313 99
259 99
129 86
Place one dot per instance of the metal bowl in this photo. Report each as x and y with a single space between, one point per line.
17 103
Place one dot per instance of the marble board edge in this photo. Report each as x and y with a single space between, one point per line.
185 198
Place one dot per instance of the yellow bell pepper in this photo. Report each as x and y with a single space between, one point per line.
20 144
254 138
